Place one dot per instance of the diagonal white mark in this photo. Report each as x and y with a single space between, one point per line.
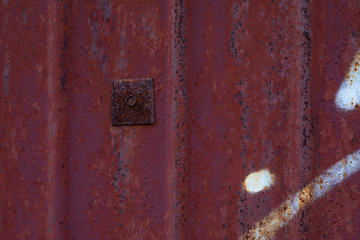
267 227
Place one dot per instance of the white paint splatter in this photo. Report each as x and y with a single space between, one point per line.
348 95
267 227
258 181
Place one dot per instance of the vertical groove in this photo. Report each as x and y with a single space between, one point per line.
305 131
56 123
178 133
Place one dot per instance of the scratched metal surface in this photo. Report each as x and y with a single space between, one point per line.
239 86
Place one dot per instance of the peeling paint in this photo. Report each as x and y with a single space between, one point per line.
5 77
24 16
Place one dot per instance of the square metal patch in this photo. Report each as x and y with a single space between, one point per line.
132 101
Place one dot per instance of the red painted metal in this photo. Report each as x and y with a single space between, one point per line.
239 86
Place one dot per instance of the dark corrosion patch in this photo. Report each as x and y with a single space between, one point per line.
132 101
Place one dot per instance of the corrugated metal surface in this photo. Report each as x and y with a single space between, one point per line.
240 86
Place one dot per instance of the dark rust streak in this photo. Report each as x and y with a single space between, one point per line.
65 8
179 166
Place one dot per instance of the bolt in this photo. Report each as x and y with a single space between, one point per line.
131 101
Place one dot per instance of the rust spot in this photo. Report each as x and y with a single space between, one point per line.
132 102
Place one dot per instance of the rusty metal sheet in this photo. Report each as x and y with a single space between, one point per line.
256 132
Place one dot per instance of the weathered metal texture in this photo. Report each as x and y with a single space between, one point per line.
132 102
239 86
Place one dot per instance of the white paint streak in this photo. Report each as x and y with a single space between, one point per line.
280 216
348 95
258 181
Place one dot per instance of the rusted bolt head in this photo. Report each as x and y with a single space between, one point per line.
131 101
